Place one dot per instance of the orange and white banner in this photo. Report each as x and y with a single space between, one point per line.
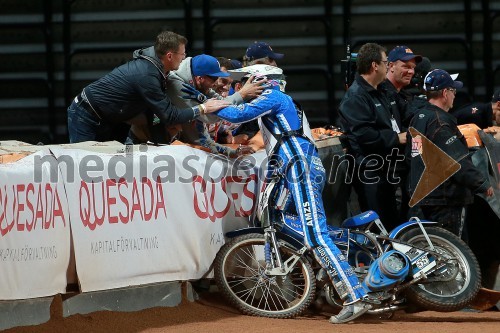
153 215
34 229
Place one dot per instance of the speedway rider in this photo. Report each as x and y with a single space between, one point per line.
292 153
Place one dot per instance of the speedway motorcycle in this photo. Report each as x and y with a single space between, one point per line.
267 271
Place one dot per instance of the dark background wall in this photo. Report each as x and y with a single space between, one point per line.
50 49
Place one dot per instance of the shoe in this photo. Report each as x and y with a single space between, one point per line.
350 312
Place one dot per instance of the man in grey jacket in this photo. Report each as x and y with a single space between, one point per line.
133 88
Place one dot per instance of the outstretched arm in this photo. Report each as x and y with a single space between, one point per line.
260 106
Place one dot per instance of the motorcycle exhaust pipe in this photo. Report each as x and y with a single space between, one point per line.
390 308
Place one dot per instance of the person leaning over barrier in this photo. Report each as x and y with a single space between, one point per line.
198 74
132 88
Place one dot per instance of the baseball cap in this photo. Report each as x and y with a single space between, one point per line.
261 50
204 64
438 79
403 53
236 63
496 96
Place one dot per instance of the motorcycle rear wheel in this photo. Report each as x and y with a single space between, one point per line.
461 280
240 274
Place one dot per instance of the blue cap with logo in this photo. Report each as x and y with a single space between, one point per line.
204 64
403 53
438 79
261 50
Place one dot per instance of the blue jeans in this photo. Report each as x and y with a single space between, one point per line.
85 126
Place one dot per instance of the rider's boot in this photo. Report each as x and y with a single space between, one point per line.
350 312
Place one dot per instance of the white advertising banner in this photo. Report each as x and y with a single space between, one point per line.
34 229
158 214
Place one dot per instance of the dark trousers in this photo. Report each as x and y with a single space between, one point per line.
451 218
375 192
84 125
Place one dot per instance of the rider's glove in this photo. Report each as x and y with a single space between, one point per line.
192 93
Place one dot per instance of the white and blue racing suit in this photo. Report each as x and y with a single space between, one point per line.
288 139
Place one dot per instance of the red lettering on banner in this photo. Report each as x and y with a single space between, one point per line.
20 206
234 198
23 205
30 188
139 200
48 213
136 205
110 200
58 211
84 214
147 183
123 218
209 209
160 199
99 220
39 207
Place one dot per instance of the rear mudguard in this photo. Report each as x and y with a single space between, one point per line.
256 230
407 225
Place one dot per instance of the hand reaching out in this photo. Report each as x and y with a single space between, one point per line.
252 89
213 105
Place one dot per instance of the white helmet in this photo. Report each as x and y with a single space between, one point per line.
272 73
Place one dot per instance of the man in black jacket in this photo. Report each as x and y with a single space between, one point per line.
133 88
446 203
481 114
402 64
373 134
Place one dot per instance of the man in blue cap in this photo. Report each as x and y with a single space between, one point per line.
402 64
446 203
400 72
261 53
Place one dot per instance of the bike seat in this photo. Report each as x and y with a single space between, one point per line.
360 219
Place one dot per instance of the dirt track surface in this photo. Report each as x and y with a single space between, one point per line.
212 314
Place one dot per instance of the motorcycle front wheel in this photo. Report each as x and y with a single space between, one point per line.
453 286
240 274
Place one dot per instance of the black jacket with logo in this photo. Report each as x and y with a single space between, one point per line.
365 118
441 128
480 114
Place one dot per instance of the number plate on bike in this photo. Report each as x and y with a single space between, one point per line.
422 264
